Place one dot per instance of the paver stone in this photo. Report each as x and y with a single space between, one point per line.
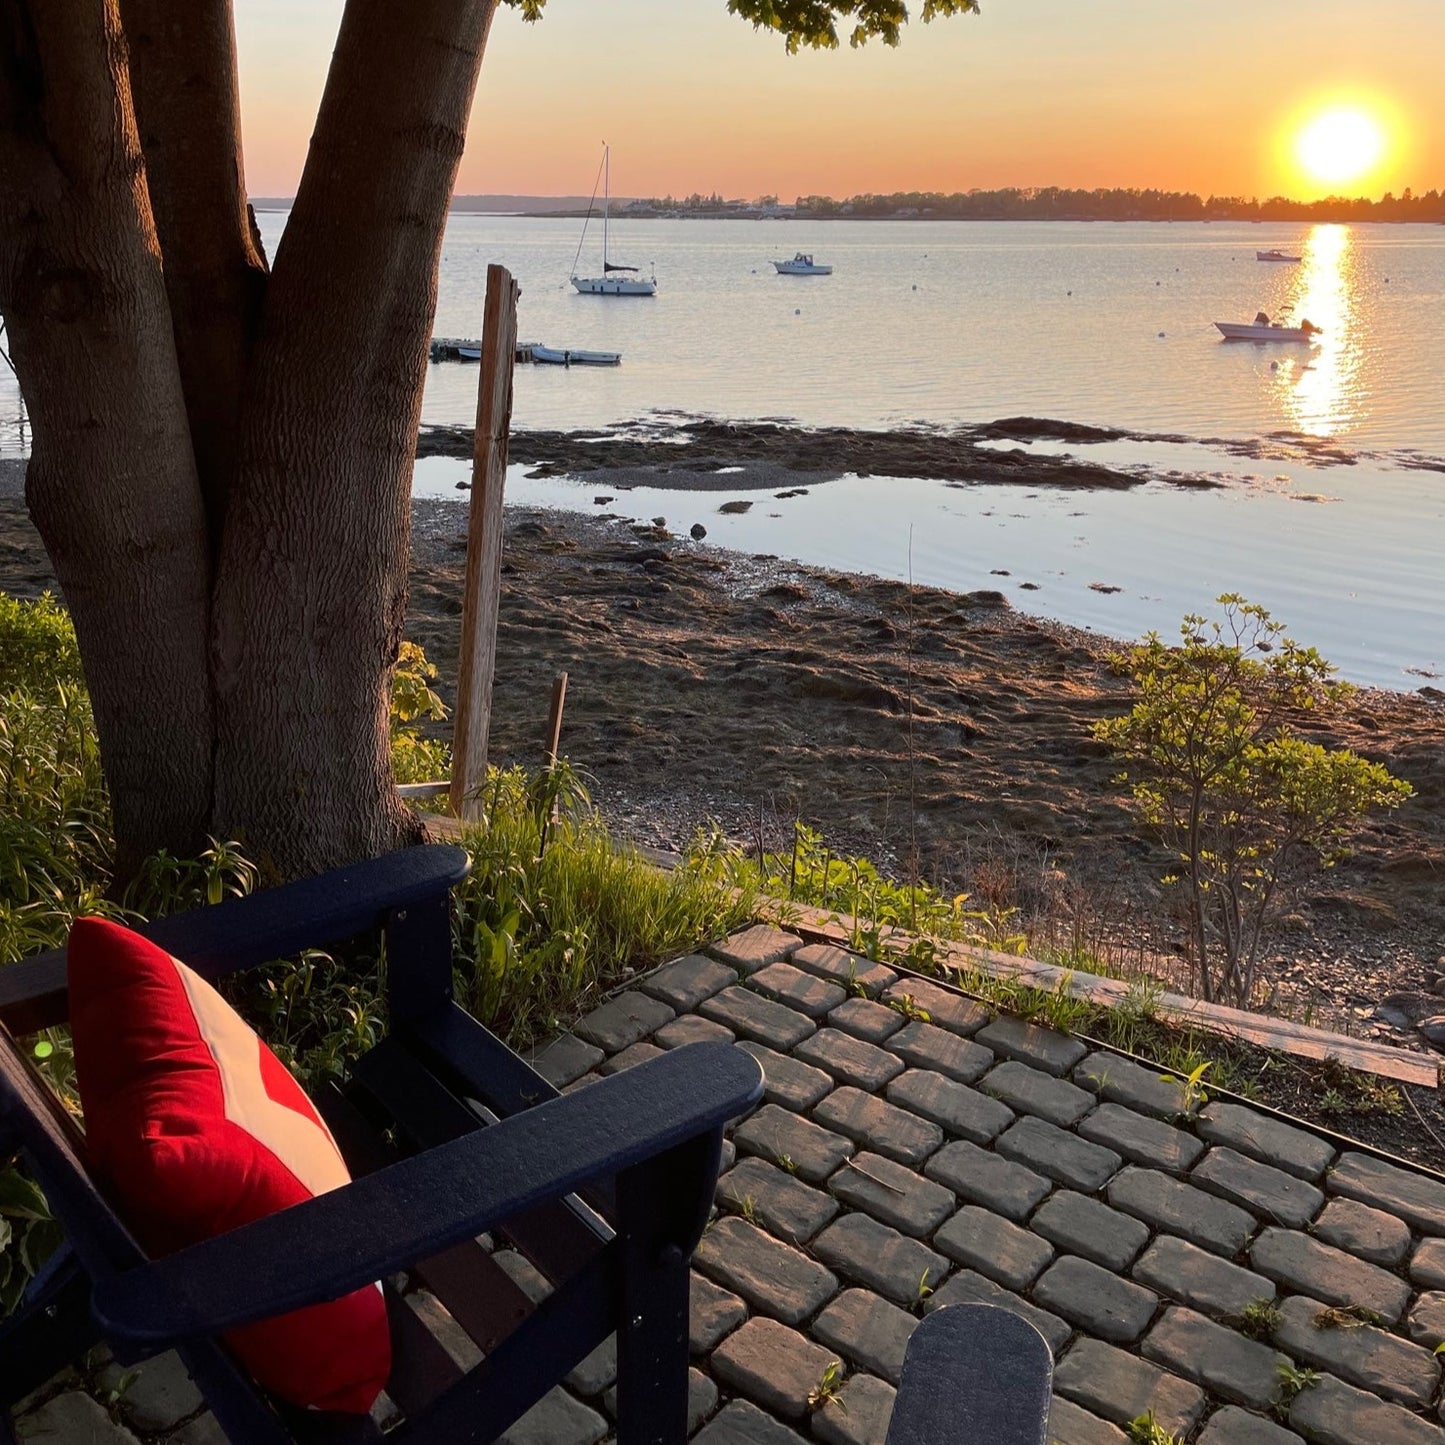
1121 1081
982 1177
954 1106
1043 1048
874 1023
565 1059
851 970
685 983
892 1193
712 1312
1326 1273
796 1145
1196 1277
1069 1425
692 1029
1121 1387
1416 1199
1090 1228
1377 1361
926 1046
881 1258
1059 1154
1272 1193
1141 1138
946 1009
75 1419
866 1330
1031 1091
1333 1413
805 992
557 1419
1004 1252
882 1127
859 1416
753 948
1426 1321
794 1085
1178 1208
779 1201
775 1366
623 1020
772 1277
1268 1140
1233 1426
1369 1233
1095 1299
1238 1369
849 1059
742 1423
751 1016
1427 1264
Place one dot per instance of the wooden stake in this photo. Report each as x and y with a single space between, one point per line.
478 655
554 718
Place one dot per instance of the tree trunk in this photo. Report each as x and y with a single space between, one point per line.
311 590
187 106
111 483
239 662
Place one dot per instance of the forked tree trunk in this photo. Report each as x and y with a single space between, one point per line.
111 482
277 731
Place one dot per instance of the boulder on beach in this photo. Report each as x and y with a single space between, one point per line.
698 531
734 508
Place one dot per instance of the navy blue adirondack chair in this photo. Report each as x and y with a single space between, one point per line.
449 1135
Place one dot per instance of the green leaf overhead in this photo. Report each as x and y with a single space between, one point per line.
814 23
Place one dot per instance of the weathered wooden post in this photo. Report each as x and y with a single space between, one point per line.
478 654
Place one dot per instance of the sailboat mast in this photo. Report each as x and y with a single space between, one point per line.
606 198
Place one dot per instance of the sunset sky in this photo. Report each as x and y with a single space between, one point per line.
1209 98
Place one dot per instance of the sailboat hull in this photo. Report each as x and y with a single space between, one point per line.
614 286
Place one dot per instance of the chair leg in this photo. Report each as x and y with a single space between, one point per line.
51 1329
658 1213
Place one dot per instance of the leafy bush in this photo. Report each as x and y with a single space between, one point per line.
1241 801
38 651
415 757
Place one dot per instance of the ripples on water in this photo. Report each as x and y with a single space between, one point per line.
940 323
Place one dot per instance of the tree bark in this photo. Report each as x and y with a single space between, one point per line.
111 482
187 106
311 587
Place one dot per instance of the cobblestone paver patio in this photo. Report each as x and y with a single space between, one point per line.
912 1151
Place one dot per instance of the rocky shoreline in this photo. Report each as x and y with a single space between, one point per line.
905 723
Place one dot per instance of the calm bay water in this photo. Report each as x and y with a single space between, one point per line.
942 323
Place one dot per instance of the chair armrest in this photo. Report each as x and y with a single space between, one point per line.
243 932
973 1373
411 1210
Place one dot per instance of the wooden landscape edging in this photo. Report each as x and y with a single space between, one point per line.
1403 1065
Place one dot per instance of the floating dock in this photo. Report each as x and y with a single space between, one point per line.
464 348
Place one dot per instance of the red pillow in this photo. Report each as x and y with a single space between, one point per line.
194 1127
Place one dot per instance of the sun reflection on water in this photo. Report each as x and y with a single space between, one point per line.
1324 395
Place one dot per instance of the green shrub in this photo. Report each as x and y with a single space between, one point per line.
1241 802
38 651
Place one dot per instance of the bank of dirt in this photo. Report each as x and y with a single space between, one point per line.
907 724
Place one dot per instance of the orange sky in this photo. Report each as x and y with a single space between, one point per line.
1030 92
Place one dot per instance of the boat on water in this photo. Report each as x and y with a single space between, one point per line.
552 356
802 264
1275 256
615 280
1263 329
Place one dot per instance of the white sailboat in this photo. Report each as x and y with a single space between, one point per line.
615 280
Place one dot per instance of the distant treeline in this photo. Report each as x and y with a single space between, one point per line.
1054 203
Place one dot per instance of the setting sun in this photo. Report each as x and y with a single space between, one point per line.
1342 144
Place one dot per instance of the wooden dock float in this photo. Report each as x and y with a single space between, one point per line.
465 348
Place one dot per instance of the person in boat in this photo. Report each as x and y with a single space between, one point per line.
1261 318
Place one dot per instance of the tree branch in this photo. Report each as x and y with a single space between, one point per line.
183 77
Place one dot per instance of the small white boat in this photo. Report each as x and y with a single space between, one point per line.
1263 329
1275 256
552 356
615 280
802 265
469 353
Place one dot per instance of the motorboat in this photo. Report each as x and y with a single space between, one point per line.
802 264
1275 256
615 280
1263 329
552 356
